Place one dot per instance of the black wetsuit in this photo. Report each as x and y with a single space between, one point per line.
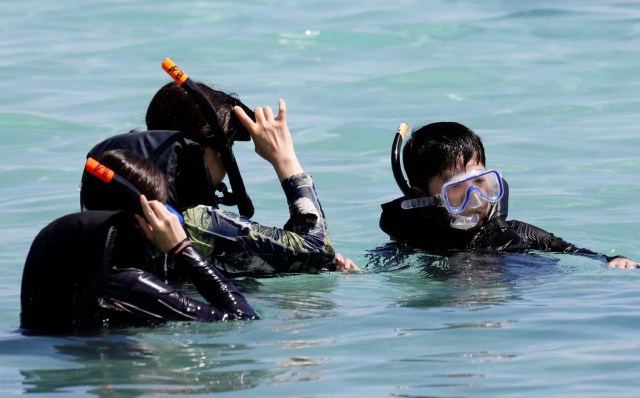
92 270
425 228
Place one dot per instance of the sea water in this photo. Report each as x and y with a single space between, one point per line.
552 88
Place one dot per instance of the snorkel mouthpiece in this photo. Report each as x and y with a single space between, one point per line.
464 222
239 196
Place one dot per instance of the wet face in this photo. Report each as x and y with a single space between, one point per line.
436 183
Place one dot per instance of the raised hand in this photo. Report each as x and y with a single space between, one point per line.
159 225
272 138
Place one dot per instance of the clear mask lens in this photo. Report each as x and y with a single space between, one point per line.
468 190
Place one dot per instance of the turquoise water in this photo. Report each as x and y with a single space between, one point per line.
551 86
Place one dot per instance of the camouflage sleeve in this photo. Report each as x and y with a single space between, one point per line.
240 246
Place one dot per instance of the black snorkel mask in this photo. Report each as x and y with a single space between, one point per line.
221 142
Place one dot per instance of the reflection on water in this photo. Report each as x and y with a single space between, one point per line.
460 278
123 366
297 297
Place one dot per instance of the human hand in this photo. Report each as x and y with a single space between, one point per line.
622 262
159 225
272 138
345 264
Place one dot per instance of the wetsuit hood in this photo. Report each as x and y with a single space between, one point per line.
428 228
179 158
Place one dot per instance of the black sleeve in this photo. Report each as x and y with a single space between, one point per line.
540 239
145 295
212 285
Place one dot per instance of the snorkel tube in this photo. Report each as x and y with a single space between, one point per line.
238 196
395 160
110 177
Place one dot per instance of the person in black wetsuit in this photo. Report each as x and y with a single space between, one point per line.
452 202
97 268
180 141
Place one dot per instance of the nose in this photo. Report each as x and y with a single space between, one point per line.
475 200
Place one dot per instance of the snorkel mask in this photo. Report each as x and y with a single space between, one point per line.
459 193
238 196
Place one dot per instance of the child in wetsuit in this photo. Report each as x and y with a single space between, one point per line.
453 202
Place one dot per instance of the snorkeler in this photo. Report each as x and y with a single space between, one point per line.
453 202
99 268
190 140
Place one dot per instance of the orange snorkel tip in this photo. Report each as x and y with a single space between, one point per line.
174 71
99 170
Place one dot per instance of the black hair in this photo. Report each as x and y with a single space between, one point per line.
140 172
173 108
433 149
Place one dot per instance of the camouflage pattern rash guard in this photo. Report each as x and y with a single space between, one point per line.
240 246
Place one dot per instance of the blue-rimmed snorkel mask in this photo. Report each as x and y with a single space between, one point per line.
239 196
459 193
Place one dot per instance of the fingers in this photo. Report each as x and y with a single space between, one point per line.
345 264
263 114
268 114
350 265
282 110
622 262
148 213
144 226
243 117
156 213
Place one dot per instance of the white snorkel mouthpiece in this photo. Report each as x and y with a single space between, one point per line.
465 222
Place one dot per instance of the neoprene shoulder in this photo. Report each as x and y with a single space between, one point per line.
66 260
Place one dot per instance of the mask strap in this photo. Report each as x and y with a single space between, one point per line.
241 198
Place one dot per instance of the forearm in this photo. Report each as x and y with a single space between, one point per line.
212 285
144 295
303 245
540 239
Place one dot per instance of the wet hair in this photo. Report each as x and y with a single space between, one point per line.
437 147
140 172
172 108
